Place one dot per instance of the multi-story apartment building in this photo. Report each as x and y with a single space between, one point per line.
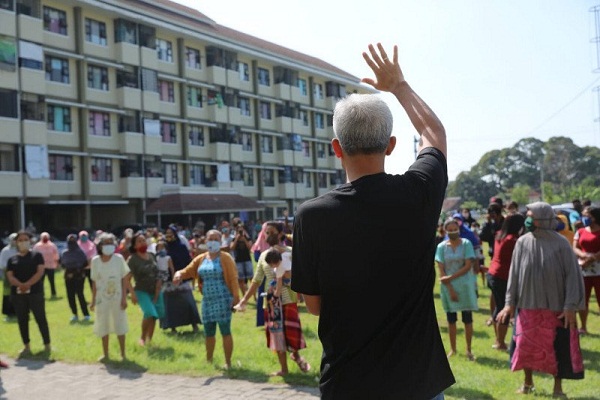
115 111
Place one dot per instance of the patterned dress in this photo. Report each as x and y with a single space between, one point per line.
216 297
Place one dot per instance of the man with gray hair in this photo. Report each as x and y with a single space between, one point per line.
386 344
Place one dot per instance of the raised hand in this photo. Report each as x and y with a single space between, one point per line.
388 75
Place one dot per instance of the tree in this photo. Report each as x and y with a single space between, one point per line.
520 194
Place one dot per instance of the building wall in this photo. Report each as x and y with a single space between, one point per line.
114 137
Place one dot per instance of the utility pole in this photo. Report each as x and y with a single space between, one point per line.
596 39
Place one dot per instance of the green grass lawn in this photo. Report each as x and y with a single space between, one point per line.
489 377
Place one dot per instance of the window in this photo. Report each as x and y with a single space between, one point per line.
125 31
127 77
196 135
30 55
303 115
306 148
164 50
321 150
265 109
194 96
197 175
29 7
149 80
8 103
131 167
263 77
333 89
285 75
153 169
218 134
244 70
97 77
95 32
318 91
248 177
101 169
302 85
308 180
8 53
244 105
284 110
6 5
192 58
319 121
130 122
9 157
266 144
33 107
99 123
170 174
216 57
297 175
168 132
55 21
235 172
215 98
166 91
322 180
296 141
246 142
57 69
147 36
337 178
59 118
268 177
285 176
60 167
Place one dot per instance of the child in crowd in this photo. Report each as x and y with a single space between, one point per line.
164 262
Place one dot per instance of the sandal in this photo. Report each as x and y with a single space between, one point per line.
302 364
526 389
278 373
470 357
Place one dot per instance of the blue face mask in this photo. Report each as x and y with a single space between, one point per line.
213 246
162 253
586 221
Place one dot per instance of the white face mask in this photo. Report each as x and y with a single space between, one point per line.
108 249
22 246
213 246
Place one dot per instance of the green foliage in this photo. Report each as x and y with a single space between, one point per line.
489 377
564 170
520 194
471 205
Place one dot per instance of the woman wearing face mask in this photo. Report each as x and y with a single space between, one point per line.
586 244
180 305
455 258
74 262
110 283
24 272
545 287
49 251
89 248
148 286
217 278
497 277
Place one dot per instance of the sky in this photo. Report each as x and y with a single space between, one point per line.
494 72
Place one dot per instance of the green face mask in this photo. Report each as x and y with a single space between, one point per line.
529 226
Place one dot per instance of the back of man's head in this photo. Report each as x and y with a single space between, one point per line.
363 124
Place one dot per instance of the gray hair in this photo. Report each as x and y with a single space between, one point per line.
107 236
363 124
213 232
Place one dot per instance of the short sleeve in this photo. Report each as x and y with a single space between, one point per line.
439 253
574 217
304 265
469 252
94 269
577 235
286 261
38 258
259 275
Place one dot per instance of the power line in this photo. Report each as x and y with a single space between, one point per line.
563 107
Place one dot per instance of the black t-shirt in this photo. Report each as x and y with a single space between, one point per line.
24 267
242 252
367 249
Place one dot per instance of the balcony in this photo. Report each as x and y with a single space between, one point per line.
334 162
133 187
236 152
153 145
217 114
269 158
285 157
151 101
130 98
127 53
220 151
35 132
300 128
298 97
149 58
10 130
283 91
11 184
322 163
30 28
197 112
37 187
284 124
65 188
330 102
131 142
217 75
287 190
199 152
33 81
233 79
154 187
8 26
105 188
300 160
234 116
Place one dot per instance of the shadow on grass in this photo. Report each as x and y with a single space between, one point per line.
35 361
591 359
494 362
185 336
465 393
310 334
127 369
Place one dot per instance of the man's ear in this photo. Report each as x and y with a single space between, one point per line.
391 146
337 147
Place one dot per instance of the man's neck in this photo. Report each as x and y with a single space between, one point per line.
362 165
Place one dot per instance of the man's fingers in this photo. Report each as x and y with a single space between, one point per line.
375 56
384 55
